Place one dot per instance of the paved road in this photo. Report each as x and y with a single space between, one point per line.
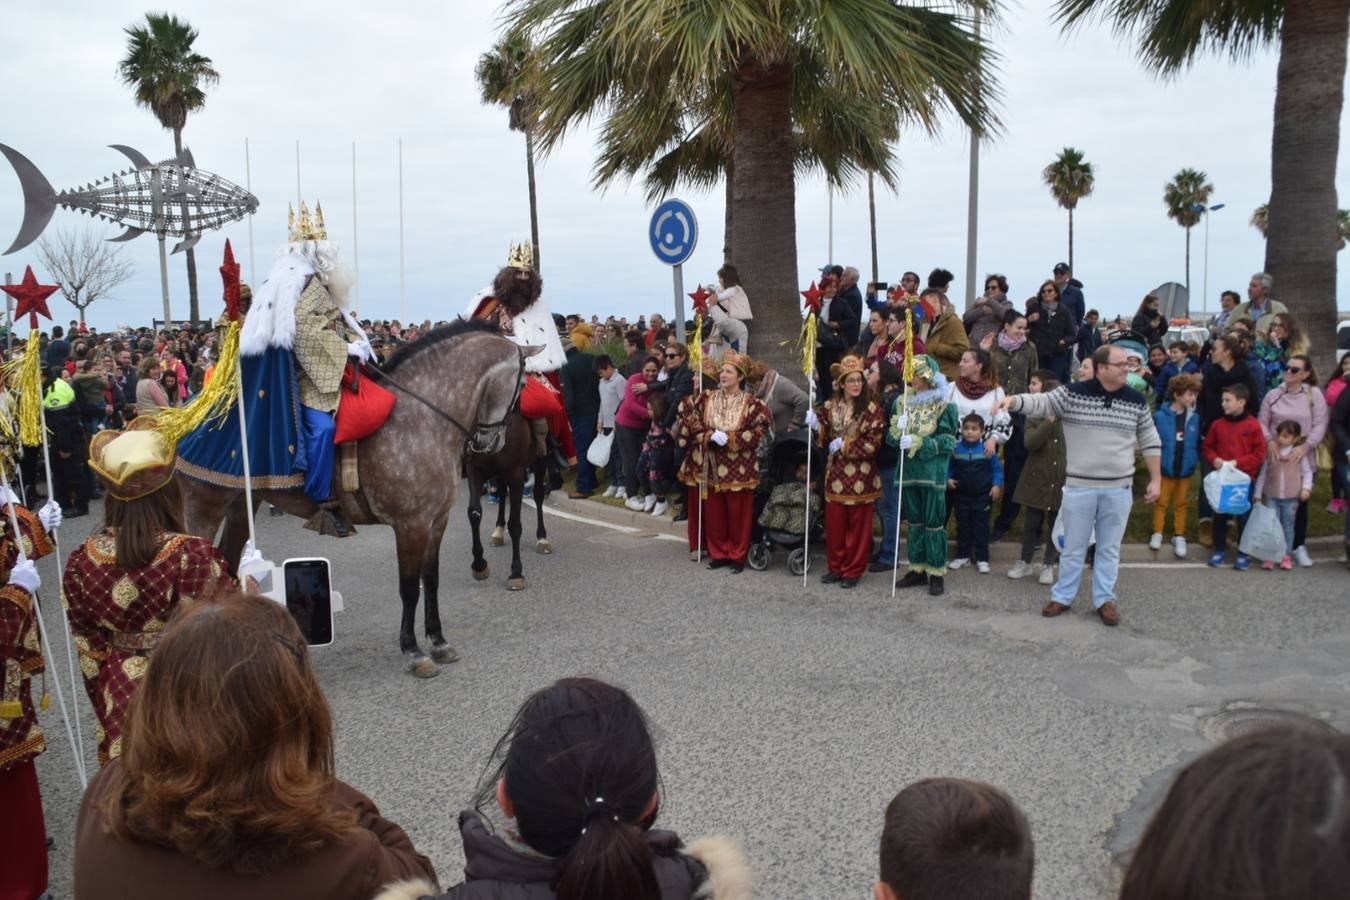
790 717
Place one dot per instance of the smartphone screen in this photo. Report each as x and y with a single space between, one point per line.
309 598
883 286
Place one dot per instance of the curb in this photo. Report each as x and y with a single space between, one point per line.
1321 549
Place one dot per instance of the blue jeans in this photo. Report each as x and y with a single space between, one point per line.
1286 510
1107 510
1343 478
583 432
889 509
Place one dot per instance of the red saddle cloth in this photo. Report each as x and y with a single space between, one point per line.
363 406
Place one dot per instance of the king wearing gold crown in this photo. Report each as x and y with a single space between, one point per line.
294 346
513 303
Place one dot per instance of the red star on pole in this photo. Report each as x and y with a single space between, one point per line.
32 297
814 298
229 274
700 298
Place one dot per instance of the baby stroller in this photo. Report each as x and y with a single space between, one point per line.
780 505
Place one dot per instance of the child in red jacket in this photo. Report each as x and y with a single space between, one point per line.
1237 438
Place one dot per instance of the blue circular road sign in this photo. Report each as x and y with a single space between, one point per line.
673 232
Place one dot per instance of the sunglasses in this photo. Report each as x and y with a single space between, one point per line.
1048 291
672 356
1294 370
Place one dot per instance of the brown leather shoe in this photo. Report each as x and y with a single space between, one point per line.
1052 609
578 495
1109 613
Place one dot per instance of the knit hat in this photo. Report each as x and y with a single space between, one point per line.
135 462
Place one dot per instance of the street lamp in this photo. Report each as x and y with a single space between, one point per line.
1205 211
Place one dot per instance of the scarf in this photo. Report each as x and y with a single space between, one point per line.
1008 344
971 388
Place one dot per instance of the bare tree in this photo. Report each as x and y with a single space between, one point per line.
86 266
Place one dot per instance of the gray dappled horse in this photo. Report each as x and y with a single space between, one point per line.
456 387
519 454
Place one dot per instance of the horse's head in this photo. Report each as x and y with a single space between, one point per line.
497 400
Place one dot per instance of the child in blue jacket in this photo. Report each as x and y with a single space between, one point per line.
1179 428
977 480
1179 362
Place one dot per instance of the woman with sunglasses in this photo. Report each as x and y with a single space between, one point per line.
1297 399
1052 329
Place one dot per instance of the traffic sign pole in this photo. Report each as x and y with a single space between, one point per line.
678 272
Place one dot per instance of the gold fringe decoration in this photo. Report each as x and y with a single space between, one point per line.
215 400
696 348
909 344
23 376
810 333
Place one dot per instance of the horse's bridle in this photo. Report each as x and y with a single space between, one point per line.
483 435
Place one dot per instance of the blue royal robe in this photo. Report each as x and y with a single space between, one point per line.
277 456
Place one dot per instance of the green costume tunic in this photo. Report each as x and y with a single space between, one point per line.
935 425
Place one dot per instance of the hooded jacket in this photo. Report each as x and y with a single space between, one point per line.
1180 436
709 869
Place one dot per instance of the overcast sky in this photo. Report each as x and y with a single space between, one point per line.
337 72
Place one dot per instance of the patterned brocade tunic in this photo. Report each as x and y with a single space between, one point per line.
744 418
852 476
20 652
118 615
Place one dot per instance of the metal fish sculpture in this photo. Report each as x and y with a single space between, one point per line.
172 197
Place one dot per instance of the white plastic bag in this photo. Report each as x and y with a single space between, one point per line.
597 454
1229 490
1263 537
1057 533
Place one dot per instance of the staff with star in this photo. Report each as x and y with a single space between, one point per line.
815 300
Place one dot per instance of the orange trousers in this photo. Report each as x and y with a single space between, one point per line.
1174 490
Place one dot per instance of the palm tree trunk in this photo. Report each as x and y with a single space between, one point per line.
1309 95
728 218
764 231
872 219
1070 238
194 309
534 200
1188 259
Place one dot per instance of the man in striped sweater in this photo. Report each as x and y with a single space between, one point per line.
1106 423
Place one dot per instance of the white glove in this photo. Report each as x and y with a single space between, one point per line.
51 516
902 422
361 350
906 442
812 420
836 445
9 498
719 437
250 555
25 575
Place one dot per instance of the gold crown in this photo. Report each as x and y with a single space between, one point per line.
521 256
305 228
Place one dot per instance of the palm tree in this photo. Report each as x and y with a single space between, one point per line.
1070 179
1261 222
508 76
1188 189
1309 95
771 70
169 79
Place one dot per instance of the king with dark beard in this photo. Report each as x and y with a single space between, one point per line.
514 303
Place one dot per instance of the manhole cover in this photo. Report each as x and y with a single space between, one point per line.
1231 723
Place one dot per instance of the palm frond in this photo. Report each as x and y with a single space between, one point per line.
164 73
1070 178
1187 189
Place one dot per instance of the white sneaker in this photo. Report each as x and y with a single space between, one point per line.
959 563
635 503
982 568
1179 546
1302 558
610 491
621 494
649 503
660 508
1155 542
1021 569
1047 575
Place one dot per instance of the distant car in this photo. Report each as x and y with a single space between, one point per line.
1196 334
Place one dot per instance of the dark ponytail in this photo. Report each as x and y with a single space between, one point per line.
580 769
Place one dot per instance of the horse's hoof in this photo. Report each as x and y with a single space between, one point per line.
444 654
420 666
543 547
516 584
481 576
498 537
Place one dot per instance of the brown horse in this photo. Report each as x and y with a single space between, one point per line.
508 466
456 388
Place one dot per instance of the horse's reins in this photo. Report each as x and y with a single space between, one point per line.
468 434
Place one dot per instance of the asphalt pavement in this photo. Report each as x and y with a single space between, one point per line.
789 715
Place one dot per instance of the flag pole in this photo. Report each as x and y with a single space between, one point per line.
810 439
356 255
402 295
76 740
248 183
899 490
